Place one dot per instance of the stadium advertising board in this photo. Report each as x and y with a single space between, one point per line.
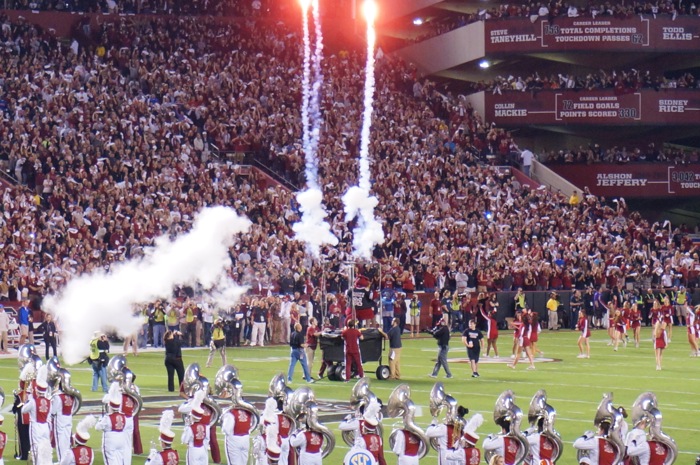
635 180
604 107
587 34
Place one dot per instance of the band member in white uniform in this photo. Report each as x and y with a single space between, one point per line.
236 424
194 435
62 420
167 455
112 425
80 453
38 407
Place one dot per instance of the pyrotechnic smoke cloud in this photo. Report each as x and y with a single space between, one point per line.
104 300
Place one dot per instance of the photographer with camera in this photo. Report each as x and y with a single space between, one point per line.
218 342
173 358
98 359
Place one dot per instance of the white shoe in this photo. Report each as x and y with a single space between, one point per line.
580 356
512 355
588 356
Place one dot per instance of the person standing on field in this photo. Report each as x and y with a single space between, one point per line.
473 340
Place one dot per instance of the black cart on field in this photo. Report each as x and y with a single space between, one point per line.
371 347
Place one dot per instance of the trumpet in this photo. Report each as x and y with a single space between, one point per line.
400 404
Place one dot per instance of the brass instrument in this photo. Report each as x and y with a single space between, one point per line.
303 408
360 398
117 370
608 414
507 415
400 404
439 399
282 393
59 379
645 407
228 386
193 382
540 410
27 356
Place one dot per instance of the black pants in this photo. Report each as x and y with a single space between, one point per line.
50 342
174 365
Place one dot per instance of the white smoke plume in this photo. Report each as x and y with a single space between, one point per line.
313 229
104 300
357 200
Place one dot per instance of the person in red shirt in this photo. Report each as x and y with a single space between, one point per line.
352 337
436 309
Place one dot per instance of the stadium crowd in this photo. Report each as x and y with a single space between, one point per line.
110 145
594 153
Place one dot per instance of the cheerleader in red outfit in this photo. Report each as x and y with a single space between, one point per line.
516 326
660 342
612 311
491 331
667 316
655 313
635 319
691 321
618 326
585 329
525 333
535 333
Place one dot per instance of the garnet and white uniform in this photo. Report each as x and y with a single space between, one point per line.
661 341
236 425
39 409
114 443
446 439
284 424
502 445
164 457
692 324
78 455
541 449
464 456
128 408
584 327
3 443
195 437
310 445
62 418
600 450
406 446
637 446
368 440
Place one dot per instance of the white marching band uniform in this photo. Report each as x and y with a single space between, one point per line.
310 445
637 446
38 407
235 425
401 450
115 445
62 416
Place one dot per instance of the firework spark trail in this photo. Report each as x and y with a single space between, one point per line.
105 300
313 229
358 201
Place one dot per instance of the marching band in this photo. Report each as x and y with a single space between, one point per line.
289 432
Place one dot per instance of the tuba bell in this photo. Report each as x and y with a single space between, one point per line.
360 398
115 369
27 356
59 379
130 389
439 399
400 404
645 407
303 408
540 410
282 393
508 416
228 386
608 417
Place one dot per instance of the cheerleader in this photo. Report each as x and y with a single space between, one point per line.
667 316
584 348
612 311
523 342
635 319
660 341
617 325
516 326
491 329
535 333
692 323
655 313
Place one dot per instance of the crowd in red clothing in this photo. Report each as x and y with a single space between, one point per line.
112 146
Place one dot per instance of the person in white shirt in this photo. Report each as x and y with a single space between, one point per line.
4 328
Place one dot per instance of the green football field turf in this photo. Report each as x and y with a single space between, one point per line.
574 386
